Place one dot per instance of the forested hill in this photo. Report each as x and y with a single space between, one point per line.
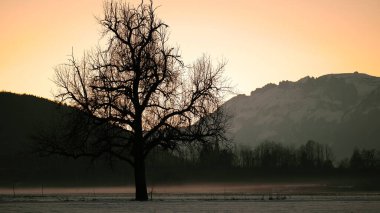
22 117
341 110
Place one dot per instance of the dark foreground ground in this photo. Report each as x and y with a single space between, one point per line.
295 204
193 198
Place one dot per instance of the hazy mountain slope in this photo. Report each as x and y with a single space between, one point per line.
342 110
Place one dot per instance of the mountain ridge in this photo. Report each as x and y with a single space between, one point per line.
321 109
342 110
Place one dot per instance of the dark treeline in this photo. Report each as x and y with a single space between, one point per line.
269 161
267 156
362 160
272 155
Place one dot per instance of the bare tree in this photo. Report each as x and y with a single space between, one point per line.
137 93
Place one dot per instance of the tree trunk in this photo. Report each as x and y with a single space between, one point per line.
140 178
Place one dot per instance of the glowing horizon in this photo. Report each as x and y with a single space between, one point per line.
263 41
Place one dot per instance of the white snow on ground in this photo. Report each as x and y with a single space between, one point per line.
190 203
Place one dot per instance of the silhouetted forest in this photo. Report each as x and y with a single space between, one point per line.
268 157
269 162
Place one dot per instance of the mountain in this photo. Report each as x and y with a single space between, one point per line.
342 110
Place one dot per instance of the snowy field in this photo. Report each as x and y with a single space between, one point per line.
191 203
214 198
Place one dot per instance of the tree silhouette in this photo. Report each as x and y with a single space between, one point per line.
136 94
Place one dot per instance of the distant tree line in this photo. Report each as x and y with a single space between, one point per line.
209 162
271 155
267 156
362 160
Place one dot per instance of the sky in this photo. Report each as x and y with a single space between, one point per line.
262 41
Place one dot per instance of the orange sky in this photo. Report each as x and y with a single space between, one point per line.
263 41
